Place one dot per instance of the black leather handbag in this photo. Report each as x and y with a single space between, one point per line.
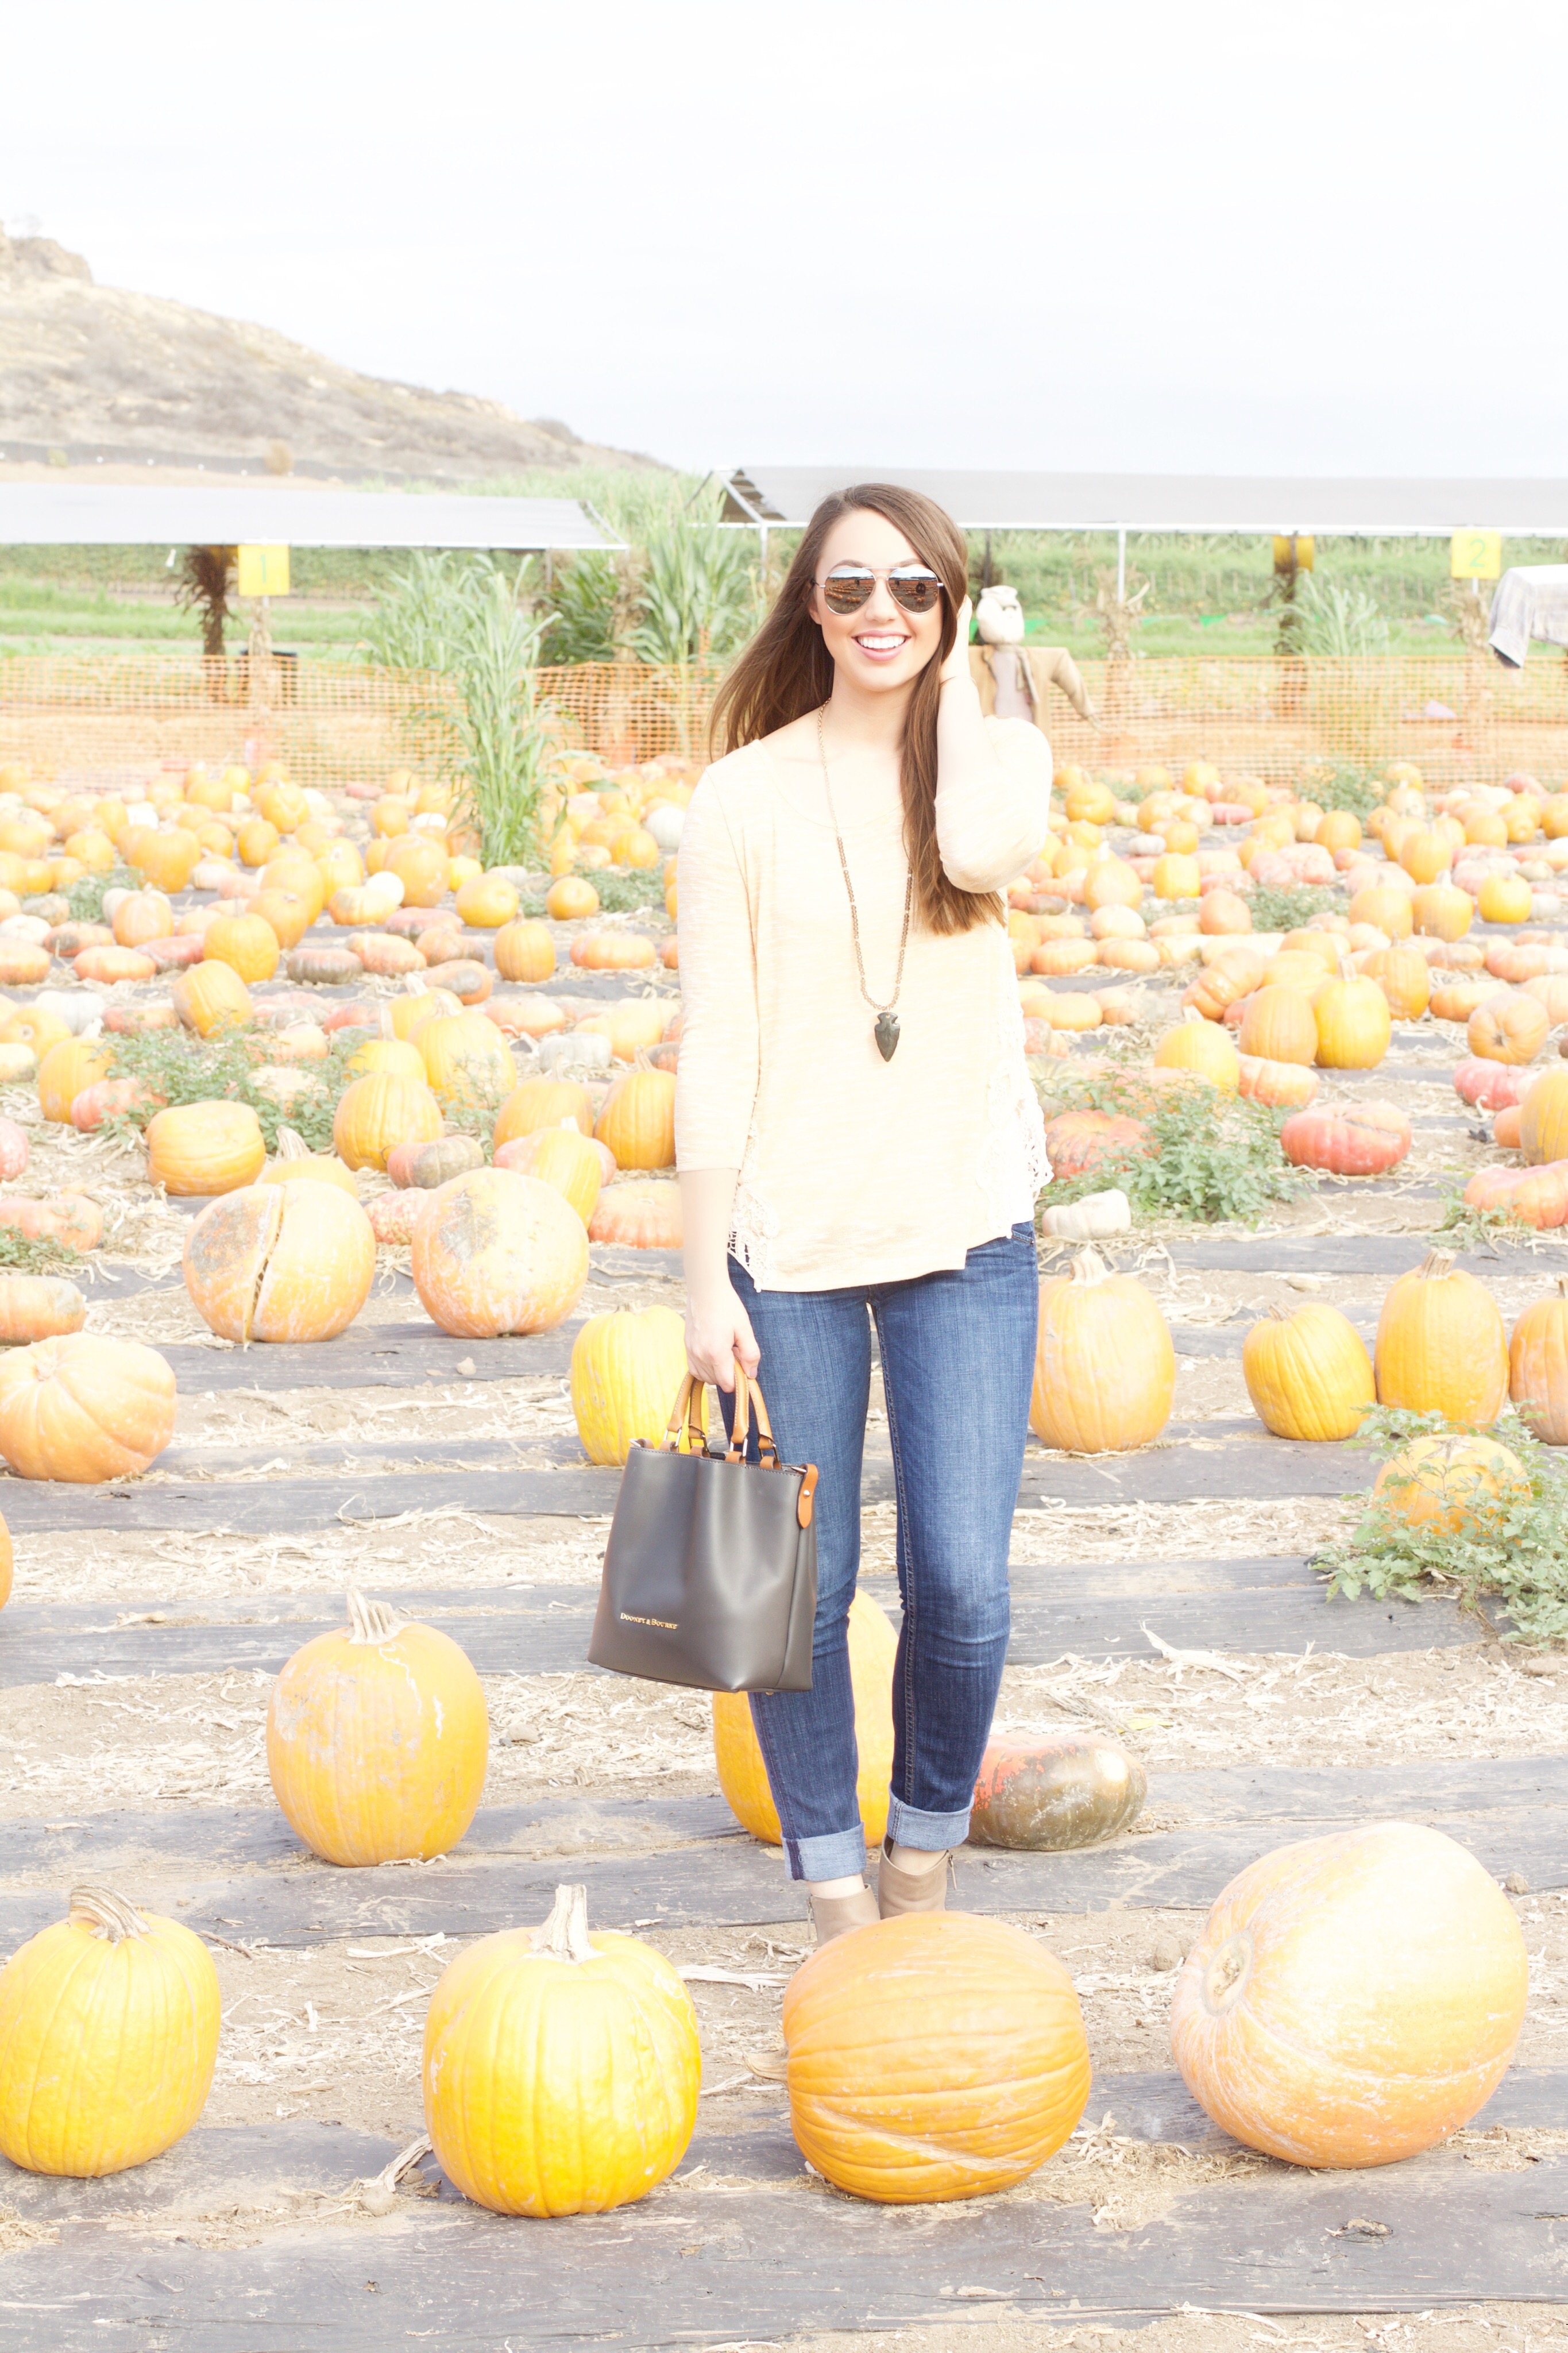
711 1571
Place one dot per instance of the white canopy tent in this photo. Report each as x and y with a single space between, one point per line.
85 515
1325 506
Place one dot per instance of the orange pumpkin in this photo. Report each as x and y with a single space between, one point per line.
1510 1027
1233 974
141 916
1261 1079
1440 911
497 1252
1352 1999
1223 912
639 1217
84 1407
1404 977
37 1307
487 901
544 1102
1538 1365
281 1262
420 865
1278 1025
1364 1139
1543 1118
933 2057
570 898
525 951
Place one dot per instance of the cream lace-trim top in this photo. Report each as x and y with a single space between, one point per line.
853 1170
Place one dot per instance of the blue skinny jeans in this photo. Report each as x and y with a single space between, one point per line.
958 1361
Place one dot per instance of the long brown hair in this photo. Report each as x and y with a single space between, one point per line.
787 670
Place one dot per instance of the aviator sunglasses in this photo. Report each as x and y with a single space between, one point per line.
849 585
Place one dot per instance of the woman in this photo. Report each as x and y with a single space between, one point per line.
857 1135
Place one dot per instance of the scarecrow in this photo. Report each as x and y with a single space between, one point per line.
1013 678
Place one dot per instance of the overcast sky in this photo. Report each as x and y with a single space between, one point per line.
1114 234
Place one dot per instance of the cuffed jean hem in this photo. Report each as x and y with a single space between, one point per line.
930 1833
837 1855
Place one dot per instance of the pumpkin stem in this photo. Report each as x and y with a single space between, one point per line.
1190 1013
291 1145
385 1020
415 983
106 1914
1436 1264
1087 1267
372 1622
564 1935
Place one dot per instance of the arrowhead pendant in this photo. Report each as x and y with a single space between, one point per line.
886 1035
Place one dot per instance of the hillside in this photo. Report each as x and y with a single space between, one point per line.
90 373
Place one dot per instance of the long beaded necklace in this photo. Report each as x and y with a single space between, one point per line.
885 1029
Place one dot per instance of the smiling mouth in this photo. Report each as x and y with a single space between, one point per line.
881 644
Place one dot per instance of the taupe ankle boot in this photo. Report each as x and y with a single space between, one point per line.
899 1891
835 1915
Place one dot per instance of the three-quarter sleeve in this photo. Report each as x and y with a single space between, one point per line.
716 1080
991 822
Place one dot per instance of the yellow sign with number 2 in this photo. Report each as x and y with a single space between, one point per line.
1476 555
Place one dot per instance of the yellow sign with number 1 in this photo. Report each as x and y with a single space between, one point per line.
264 571
1476 555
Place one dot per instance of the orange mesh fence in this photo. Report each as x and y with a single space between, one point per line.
1458 717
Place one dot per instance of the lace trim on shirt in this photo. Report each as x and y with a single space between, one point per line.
752 1233
1013 1154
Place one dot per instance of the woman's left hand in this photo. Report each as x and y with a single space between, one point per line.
957 663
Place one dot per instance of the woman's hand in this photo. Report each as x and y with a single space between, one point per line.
957 663
717 1332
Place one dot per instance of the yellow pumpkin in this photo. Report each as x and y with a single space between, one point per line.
84 1407
378 1739
1440 1346
296 1162
1105 1367
205 1147
933 2057
637 1120
563 1156
561 2069
1504 899
1202 1049
487 901
247 943
109 2033
1448 1483
627 1371
544 1102
465 1058
1307 1373
379 1111
66 1068
744 1777
1354 1024
628 1028
418 1002
211 995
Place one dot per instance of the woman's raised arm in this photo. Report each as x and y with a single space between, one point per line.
993 782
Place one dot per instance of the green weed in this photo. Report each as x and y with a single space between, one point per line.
84 897
1210 1155
1291 910
177 1067
1514 1545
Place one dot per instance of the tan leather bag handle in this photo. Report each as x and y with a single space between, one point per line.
686 1419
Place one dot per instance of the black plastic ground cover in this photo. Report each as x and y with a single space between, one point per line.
727 1882
212 1840
690 2266
544 1629
1236 1470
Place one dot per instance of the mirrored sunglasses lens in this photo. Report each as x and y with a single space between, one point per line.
917 592
846 591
